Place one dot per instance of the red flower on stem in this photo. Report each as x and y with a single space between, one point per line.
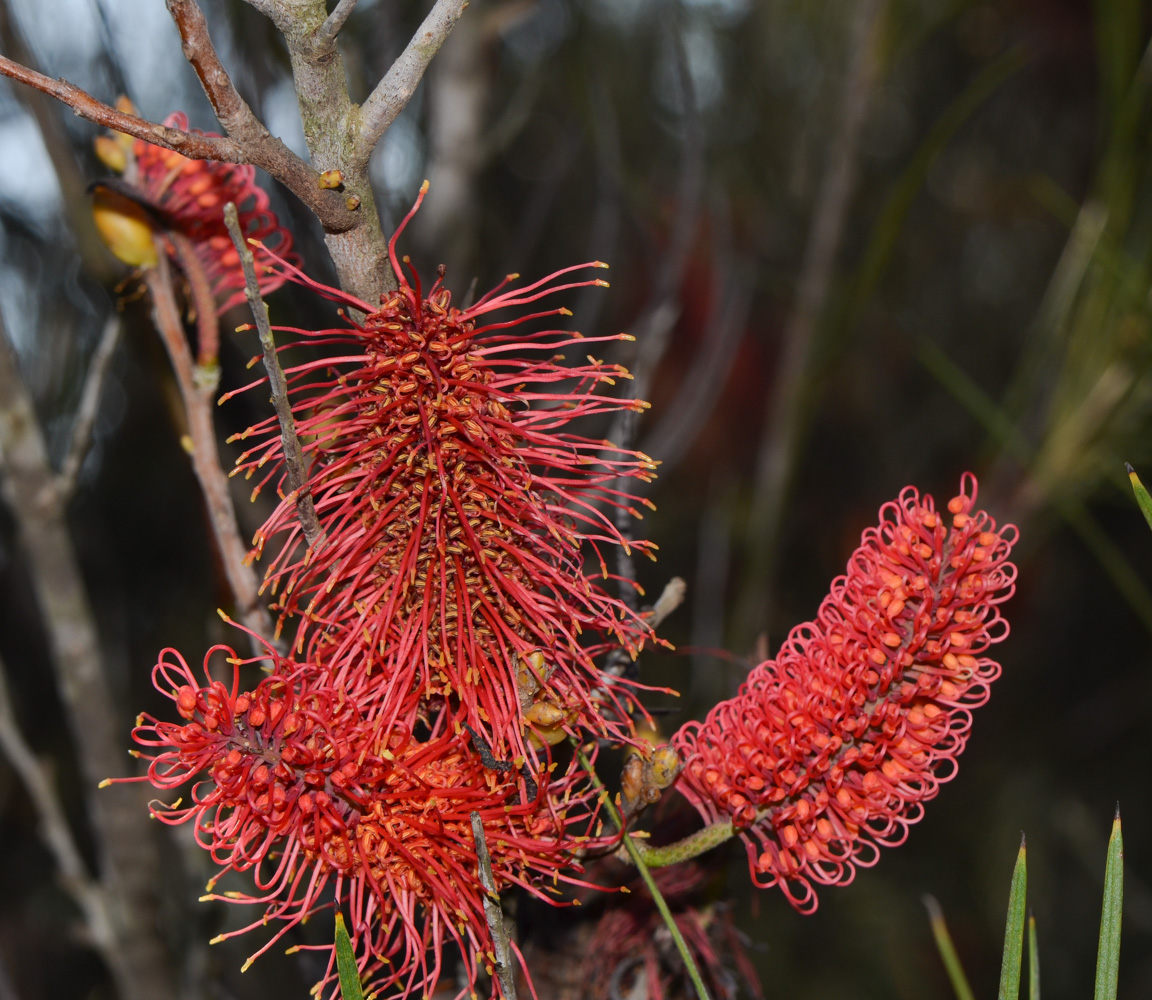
458 507
296 785
830 749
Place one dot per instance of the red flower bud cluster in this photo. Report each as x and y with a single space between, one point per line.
445 628
165 192
830 750
298 786
459 509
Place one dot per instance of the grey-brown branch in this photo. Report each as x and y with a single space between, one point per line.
289 439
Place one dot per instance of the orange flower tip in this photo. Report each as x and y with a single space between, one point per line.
601 283
552 766
248 963
292 951
424 187
224 617
512 277
562 311
206 899
575 902
134 753
956 504
186 444
624 889
217 939
105 783
891 639
599 263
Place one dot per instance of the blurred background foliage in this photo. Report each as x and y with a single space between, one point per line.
861 245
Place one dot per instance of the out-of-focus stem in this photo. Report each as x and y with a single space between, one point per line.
197 395
127 859
783 421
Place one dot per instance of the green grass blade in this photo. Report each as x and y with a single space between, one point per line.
1142 497
350 988
1014 929
948 951
649 881
1033 961
1108 957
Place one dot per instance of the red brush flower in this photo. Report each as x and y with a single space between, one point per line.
830 750
458 508
166 192
294 784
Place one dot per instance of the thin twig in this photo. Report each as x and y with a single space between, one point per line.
398 85
290 441
334 22
618 662
638 860
197 390
258 145
494 914
89 407
37 781
267 152
783 419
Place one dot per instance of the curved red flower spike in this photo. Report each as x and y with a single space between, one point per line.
829 750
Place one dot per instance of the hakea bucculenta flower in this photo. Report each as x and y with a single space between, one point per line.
292 783
459 508
163 192
830 749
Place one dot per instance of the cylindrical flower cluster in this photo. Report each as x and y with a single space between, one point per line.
830 749
459 511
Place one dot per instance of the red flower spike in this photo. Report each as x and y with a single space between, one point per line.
458 509
190 195
829 750
297 786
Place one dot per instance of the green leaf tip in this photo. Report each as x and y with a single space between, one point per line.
947 950
350 988
1108 955
1012 961
1143 500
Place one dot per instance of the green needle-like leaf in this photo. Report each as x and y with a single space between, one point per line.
1014 929
1033 961
948 951
350 988
1108 957
1142 497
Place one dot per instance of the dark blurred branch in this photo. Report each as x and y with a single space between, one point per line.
654 329
197 390
89 407
785 415
394 91
37 781
685 417
128 863
289 440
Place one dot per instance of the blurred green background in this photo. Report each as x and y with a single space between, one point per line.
861 244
